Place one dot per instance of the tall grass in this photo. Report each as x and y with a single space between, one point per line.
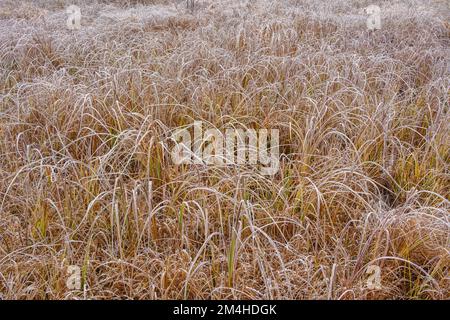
86 178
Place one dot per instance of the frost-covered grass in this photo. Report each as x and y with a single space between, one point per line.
86 178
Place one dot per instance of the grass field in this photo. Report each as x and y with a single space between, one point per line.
86 177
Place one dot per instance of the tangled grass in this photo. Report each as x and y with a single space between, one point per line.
86 178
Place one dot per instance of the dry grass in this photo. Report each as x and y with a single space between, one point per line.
86 178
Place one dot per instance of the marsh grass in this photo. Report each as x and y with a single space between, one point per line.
86 177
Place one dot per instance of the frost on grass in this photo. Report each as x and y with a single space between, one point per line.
86 178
